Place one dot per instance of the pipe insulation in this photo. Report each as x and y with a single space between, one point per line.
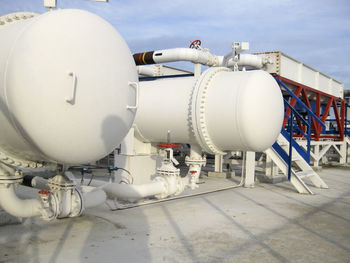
17 207
220 111
93 197
130 191
203 57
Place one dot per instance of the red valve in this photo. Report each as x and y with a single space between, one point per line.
44 192
193 172
168 145
195 43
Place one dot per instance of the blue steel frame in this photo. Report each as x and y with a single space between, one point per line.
292 127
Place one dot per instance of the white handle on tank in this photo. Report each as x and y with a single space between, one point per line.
71 99
136 85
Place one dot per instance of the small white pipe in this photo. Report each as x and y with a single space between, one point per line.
93 197
17 207
149 71
185 54
130 191
40 183
249 60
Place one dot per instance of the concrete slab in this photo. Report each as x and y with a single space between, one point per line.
269 223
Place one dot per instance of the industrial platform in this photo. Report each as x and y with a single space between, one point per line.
270 223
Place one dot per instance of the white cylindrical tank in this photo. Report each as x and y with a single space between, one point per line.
64 88
221 111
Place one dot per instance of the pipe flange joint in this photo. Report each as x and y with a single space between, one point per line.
189 161
7 179
15 17
198 108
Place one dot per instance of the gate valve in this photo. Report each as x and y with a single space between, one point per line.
44 196
169 151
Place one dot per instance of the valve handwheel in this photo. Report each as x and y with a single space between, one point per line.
168 145
195 44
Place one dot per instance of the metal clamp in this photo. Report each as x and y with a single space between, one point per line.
71 98
136 85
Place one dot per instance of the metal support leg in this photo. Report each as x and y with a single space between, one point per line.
316 153
250 169
218 163
342 159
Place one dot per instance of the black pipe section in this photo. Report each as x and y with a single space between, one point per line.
27 180
144 58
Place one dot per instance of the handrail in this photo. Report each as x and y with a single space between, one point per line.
299 101
291 130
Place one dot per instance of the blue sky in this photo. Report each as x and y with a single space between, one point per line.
316 32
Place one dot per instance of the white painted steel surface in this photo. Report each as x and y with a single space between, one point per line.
290 68
64 87
222 111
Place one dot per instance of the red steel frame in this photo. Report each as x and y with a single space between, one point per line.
303 92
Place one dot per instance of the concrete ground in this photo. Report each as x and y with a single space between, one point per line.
268 223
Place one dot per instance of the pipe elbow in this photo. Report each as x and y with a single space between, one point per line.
17 207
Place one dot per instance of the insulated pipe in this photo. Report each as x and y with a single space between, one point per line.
248 60
131 191
149 71
93 197
36 182
16 206
176 54
194 56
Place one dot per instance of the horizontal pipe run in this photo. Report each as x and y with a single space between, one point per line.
93 197
17 207
130 191
195 56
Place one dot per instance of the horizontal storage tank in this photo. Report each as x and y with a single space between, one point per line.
64 88
221 111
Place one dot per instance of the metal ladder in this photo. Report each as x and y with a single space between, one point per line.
300 169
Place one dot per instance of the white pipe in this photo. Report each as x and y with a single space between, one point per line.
197 56
185 54
93 197
40 183
249 60
131 191
149 71
17 207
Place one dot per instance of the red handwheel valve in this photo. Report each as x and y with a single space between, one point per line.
44 192
195 44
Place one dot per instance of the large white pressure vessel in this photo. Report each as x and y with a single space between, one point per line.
221 111
64 88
